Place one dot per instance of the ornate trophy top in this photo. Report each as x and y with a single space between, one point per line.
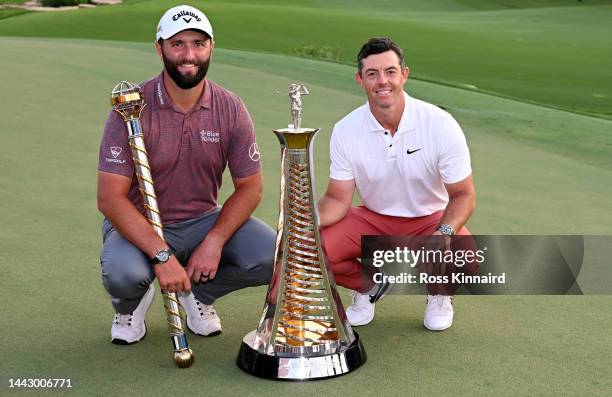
127 100
296 137
295 93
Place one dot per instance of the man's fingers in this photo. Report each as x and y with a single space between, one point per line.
179 285
197 275
175 286
186 285
212 274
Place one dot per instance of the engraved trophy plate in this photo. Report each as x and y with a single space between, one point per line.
303 333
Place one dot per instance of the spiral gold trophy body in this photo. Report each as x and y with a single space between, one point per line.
303 333
127 99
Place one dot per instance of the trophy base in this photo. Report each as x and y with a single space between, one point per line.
299 368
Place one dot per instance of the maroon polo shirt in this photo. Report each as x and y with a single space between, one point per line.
188 152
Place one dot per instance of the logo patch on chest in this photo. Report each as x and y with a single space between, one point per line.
210 136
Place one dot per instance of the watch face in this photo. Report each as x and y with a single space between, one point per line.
446 229
163 256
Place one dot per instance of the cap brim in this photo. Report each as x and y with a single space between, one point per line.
168 35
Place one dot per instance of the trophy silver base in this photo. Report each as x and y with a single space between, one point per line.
299 368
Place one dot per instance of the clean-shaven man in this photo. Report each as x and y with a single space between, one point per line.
410 163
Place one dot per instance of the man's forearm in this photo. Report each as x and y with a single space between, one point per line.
331 211
132 225
458 210
235 211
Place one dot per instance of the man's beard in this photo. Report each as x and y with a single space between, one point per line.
186 81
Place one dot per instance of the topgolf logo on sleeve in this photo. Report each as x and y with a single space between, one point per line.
115 151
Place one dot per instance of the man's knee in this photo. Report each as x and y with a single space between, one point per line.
257 267
126 272
128 280
252 252
335 249
260 273
327 241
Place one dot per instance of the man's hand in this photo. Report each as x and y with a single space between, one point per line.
235 212
171 276
204 261
437 242
441 241
336 201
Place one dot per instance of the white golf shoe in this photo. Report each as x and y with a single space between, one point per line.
439 312
201 319
131 328
361 310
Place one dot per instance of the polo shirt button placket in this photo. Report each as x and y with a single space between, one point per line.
389 142
185 137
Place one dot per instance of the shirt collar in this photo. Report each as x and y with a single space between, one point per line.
206 97
164 101
407 122
161 96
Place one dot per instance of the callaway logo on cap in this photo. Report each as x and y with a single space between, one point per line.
181 18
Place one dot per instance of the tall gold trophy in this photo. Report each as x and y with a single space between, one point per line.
303 333
127 99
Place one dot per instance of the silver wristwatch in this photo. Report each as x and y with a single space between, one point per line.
446 229
162 256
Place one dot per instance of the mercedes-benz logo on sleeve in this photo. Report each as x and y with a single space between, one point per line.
254 152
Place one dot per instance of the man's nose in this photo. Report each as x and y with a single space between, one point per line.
381 79
188 51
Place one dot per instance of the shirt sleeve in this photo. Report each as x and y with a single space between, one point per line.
115 153
454 161
244 156
340 168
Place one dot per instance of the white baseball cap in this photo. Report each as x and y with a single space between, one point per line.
181 18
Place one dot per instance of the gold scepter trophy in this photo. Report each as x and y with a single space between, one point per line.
303 333
127 99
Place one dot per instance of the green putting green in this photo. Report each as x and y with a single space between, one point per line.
537 170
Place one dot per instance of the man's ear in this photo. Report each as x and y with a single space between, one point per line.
158 48
358 78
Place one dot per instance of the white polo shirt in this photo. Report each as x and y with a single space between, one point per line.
403 175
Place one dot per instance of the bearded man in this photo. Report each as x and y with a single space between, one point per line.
193 128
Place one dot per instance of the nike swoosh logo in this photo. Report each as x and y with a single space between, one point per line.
410 152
